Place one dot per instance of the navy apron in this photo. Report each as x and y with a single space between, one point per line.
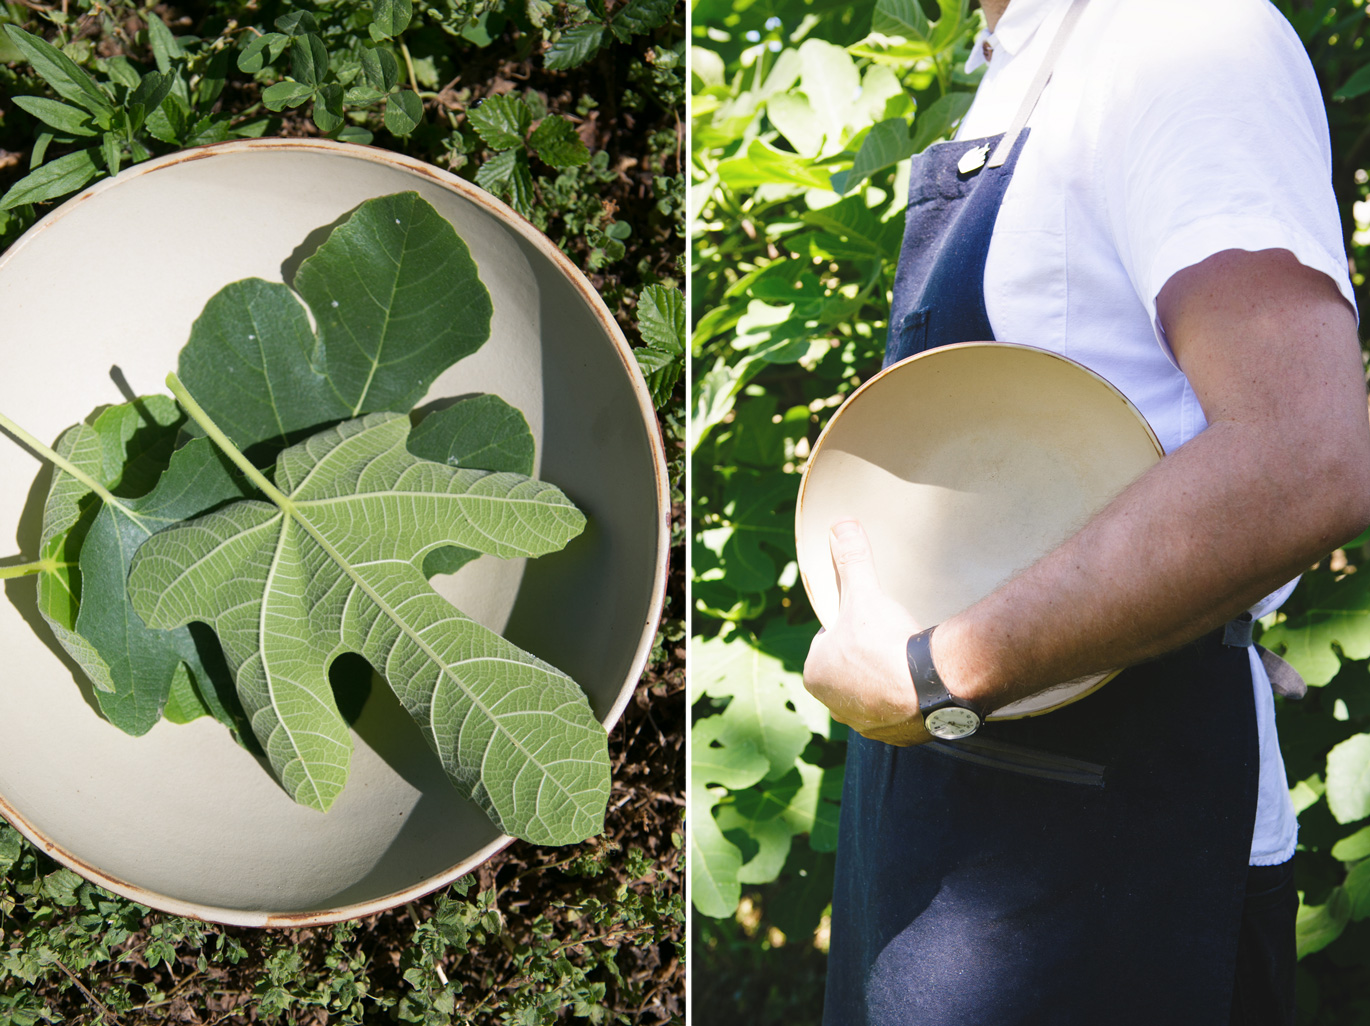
1083 868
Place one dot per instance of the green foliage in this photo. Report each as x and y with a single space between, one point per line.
1325 739
799 138
661 320
119 113
59 929
627 107
801 145
140 664
589 28
504 123
359 71
361 74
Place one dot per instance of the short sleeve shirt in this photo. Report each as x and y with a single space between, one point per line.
1170 131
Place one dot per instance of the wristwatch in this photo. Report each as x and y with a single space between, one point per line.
944 715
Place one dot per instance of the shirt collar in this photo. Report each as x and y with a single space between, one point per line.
1018 24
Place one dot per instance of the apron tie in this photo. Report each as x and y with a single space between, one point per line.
1284 679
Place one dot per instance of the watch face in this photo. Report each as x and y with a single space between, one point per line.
951 722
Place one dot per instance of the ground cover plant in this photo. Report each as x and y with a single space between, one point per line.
803 114
590 933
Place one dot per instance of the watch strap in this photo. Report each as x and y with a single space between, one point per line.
927 682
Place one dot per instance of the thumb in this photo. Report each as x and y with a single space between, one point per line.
853 561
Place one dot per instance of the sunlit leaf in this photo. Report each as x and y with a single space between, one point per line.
395 298
332 565
1348 779
1334 619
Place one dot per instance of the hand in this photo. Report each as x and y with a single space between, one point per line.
859 669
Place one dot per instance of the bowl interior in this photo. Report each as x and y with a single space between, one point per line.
965 465
104 290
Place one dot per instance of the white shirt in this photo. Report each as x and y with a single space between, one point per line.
1170 131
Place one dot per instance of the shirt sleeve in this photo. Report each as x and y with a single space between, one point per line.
1219 141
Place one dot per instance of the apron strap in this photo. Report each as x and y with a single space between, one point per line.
1039 83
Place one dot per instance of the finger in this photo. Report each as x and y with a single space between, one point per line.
852 560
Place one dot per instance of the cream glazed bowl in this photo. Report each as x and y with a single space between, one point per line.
99 297
966 464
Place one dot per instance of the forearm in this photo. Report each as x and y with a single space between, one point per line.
1204 535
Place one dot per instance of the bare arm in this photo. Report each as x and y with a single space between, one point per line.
1280 476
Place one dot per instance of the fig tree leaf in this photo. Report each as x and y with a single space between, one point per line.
125 449
1333 624
762 694
772 838
1357 887
803 801
1348 779
1353 848
254 339
1319 925
396 298
59 584
332 565
183 702
481 432
735 766
714 860
143 661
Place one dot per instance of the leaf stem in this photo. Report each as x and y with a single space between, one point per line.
61 463
409 65
26 569
222 440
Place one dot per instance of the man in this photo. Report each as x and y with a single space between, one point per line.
1167 220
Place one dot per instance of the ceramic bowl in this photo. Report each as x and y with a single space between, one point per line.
105 289
966 464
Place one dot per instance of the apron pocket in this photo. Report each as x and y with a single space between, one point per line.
1032 762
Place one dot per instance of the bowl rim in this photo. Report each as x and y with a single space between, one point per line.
518 224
